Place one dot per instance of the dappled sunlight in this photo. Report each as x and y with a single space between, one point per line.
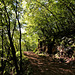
47 65
37 37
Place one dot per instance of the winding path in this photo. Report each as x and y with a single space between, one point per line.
45 65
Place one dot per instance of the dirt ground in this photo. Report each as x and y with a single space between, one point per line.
45 65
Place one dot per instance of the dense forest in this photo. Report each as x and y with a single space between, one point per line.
41 27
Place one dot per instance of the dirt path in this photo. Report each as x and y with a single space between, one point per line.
45 65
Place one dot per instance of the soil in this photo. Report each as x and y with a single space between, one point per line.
46 65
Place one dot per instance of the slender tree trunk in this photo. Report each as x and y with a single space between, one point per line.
50 46
20 48
13 52
40 43
2 51
10 39
19 39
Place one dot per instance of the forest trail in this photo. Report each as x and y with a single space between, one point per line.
45 65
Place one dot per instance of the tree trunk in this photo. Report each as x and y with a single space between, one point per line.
50 46
19 38
2 52
10 39
13 52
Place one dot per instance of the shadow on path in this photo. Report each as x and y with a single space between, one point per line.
45 65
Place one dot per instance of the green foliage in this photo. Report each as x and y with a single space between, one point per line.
39 19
